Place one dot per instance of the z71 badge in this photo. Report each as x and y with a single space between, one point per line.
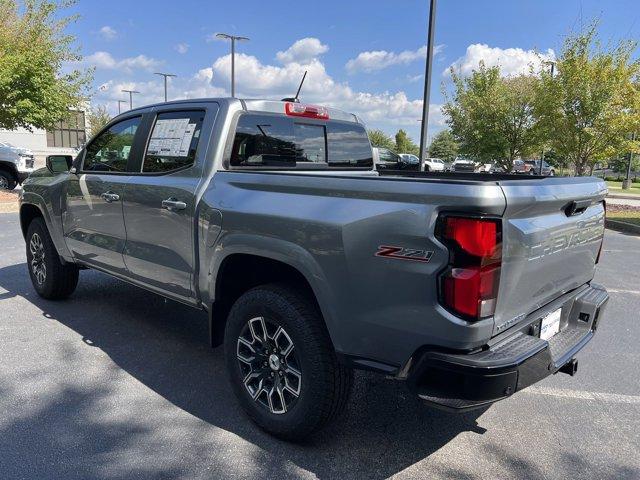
400 253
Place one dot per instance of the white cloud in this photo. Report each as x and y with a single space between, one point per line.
106 61
512 61
108 33
302 51
387 110
380 59
182 48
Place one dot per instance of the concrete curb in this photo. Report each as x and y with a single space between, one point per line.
623 197
8 207
622 226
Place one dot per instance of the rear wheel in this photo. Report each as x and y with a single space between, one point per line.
281 363
51 278
7 182
426 168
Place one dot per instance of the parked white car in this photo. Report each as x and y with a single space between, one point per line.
15 165
433 165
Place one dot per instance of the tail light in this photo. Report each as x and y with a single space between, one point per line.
468 287
308 111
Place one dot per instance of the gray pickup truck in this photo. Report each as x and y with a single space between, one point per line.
271 217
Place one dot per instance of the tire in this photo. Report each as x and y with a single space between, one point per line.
51 278
309 367
552 173
426 168
532 172
7 182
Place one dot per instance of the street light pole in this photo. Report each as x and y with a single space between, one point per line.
120 102
626 184
552 71
165 76
130 92
233 38
427 84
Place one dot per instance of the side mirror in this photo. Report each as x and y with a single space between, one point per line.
59 163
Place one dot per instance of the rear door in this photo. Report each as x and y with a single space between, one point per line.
160 199
552 232
93 222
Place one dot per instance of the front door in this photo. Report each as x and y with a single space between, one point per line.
93 220
159 202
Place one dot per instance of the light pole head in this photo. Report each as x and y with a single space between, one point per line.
226 36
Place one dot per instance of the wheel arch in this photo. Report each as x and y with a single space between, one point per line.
28 213
239 271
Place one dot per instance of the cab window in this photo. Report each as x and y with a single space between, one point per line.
110 150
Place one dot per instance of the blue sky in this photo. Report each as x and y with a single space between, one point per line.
363 56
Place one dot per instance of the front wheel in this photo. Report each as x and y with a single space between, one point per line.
7 182
281 363
51 278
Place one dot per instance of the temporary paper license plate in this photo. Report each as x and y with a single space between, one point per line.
550 325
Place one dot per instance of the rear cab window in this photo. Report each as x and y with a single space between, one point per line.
279 142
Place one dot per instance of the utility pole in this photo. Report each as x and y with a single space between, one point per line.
130 92
165 76
120 102
233 38
427 84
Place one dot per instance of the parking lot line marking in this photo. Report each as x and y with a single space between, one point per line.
584 395
615 290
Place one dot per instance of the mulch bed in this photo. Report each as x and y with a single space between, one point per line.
8 196
612 208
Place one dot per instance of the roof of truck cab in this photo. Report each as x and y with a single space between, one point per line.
252 105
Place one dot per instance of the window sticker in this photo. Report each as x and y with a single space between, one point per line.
171 138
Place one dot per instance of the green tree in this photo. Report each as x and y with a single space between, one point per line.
404 144
35 90
98 118
380 139
589 108
492 118
444 146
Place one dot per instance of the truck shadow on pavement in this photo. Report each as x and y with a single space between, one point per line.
163 345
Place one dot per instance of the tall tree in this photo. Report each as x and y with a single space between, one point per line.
444 146
35 90
491 117
592 105
404 144
98 118
380 139
472 116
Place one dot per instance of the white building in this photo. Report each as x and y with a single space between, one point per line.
64 139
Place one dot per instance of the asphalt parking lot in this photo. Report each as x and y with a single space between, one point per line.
117 383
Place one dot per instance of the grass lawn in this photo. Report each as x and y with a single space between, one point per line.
616 187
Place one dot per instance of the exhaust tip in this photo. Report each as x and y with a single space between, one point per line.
571 367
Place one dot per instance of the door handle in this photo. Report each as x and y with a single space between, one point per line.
110 197
173 204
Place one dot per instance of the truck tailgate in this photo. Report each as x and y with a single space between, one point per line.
552 232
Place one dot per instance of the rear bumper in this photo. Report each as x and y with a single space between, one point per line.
464 381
